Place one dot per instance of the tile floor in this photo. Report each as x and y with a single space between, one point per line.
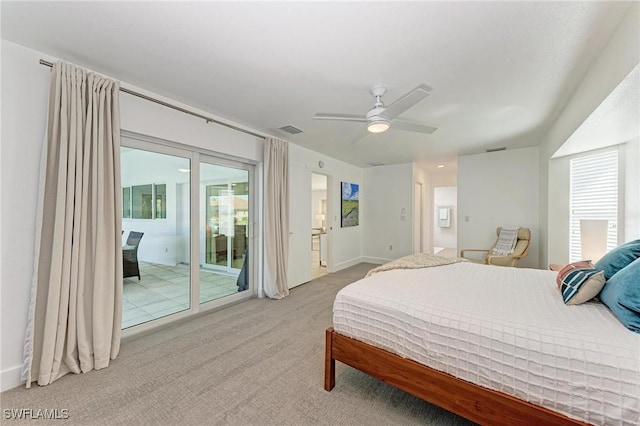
164 290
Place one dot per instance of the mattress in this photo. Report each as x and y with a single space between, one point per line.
506 329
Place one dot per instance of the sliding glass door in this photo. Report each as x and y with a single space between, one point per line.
186 220
226 213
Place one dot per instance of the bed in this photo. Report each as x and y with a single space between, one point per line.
495 345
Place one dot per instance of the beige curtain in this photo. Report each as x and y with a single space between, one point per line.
76 296
276 218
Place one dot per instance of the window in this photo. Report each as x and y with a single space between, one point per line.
593 195
141 201
137 201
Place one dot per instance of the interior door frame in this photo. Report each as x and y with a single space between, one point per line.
418 218
329 219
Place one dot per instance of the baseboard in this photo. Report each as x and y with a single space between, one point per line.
344 265
10 378
376 260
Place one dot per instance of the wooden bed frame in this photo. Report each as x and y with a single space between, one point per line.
478 404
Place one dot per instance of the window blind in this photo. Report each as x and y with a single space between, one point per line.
593 195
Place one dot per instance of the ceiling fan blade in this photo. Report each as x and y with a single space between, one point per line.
359 136
406 102
340 117
412 127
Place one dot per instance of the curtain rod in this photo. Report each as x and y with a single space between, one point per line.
177 108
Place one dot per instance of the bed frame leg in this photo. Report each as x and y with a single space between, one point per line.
329 362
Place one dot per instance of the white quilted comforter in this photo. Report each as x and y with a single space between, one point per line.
506 329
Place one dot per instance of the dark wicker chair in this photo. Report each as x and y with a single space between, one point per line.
130 266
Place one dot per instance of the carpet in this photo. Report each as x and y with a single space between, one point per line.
260 362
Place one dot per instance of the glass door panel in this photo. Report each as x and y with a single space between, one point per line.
155 238
224 236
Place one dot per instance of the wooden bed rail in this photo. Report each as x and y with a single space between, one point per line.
476 403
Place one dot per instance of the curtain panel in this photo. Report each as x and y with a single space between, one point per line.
276 218
76 295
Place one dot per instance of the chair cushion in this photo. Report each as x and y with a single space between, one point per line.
621 294
618 258
580 283
523 233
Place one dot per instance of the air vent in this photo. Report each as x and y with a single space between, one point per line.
375 164
291 129
497 149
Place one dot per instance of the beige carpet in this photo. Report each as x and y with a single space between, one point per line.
260 362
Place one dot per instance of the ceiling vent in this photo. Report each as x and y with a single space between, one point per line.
497 149
290 129
375 164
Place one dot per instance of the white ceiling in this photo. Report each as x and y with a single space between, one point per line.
616 120
500 71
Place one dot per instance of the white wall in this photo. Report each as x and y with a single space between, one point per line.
386 205
345 244
618 58
25 88
445 196
559 211
632 190
498 189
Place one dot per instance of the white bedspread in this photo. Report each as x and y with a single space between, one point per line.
502 328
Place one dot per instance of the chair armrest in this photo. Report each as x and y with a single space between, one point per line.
505 256
465 250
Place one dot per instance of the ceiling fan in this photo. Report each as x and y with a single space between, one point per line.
380 118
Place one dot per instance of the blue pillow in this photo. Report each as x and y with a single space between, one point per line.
622 295
618 258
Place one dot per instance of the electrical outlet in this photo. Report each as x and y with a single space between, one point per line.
390 247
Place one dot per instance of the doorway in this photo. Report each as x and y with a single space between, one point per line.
445 227
319 244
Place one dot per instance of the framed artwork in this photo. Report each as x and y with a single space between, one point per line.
350 215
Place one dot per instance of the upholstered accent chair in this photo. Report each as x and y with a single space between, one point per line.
130 267
520 251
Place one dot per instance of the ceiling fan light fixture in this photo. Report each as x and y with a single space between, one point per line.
378 126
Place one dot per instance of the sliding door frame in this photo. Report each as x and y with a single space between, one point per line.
196 156
195 239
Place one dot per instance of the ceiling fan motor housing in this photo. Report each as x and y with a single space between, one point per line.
376 113
376 122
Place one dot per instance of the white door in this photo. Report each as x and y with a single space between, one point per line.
417 219
299 267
